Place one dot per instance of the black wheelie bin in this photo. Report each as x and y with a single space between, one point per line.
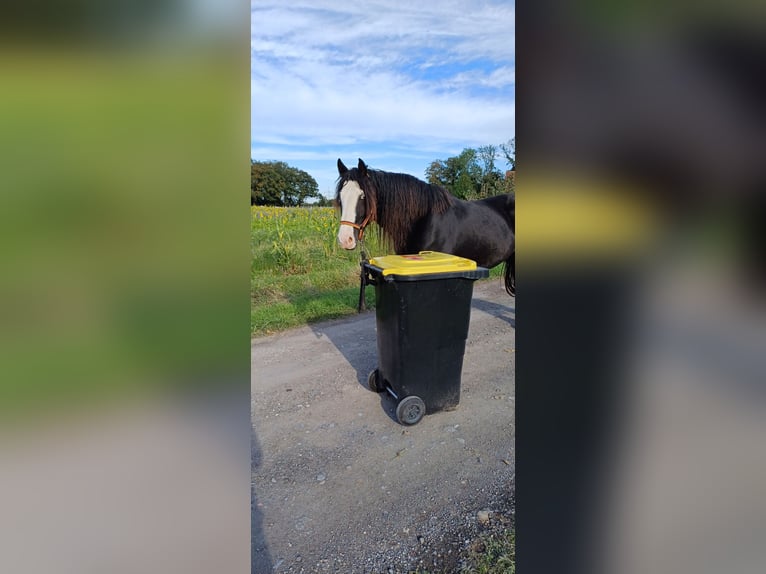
423 308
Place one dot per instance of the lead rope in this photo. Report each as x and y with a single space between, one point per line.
362 306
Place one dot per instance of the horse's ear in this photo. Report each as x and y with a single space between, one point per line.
362 168
342 169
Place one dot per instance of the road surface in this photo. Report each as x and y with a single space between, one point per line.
339 486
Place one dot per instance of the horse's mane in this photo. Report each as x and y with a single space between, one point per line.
398 201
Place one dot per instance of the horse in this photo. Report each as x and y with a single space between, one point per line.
418 216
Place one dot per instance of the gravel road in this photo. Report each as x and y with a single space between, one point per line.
339 486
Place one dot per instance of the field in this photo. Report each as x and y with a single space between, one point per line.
299 274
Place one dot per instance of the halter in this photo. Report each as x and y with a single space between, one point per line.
360 226
368 216
357 226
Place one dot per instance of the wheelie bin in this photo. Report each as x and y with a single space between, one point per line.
423 308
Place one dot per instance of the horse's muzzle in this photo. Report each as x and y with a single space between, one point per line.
346 238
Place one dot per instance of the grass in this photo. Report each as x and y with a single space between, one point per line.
490 553
123 259
299 274
493 554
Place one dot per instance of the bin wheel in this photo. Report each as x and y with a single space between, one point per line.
374 382
410 410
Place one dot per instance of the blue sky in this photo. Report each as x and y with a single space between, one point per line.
399 84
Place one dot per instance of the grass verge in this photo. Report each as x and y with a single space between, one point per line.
492 554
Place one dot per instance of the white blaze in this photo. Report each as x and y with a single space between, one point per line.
349 197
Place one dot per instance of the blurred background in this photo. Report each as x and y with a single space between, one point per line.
124 336
124 291
641 367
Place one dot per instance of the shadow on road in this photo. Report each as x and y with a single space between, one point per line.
260 558
355 339
504 312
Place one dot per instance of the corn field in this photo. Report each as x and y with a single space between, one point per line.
299 273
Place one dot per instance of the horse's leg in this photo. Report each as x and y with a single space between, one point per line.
510 274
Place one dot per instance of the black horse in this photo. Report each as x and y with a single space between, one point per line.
417 216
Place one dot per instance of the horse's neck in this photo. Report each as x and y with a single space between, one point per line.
403 232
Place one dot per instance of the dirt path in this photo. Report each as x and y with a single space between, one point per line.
340 486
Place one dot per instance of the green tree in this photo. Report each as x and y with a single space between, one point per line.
324 202
266 184
491 178
486 155
474 174
276 183
509 151
461 174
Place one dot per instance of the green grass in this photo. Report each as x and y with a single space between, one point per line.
493 554
120 238
490 553
299 274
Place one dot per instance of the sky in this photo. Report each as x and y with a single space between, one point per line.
398 84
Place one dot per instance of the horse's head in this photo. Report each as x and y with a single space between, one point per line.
355 196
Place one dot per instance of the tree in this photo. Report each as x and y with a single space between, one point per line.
509 151
473 174
461 174
487 155
266 184
324 202
491 178
276 183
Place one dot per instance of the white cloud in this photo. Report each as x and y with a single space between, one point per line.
500 77
431 75
386 32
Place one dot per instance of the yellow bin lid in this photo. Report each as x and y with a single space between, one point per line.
425 262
